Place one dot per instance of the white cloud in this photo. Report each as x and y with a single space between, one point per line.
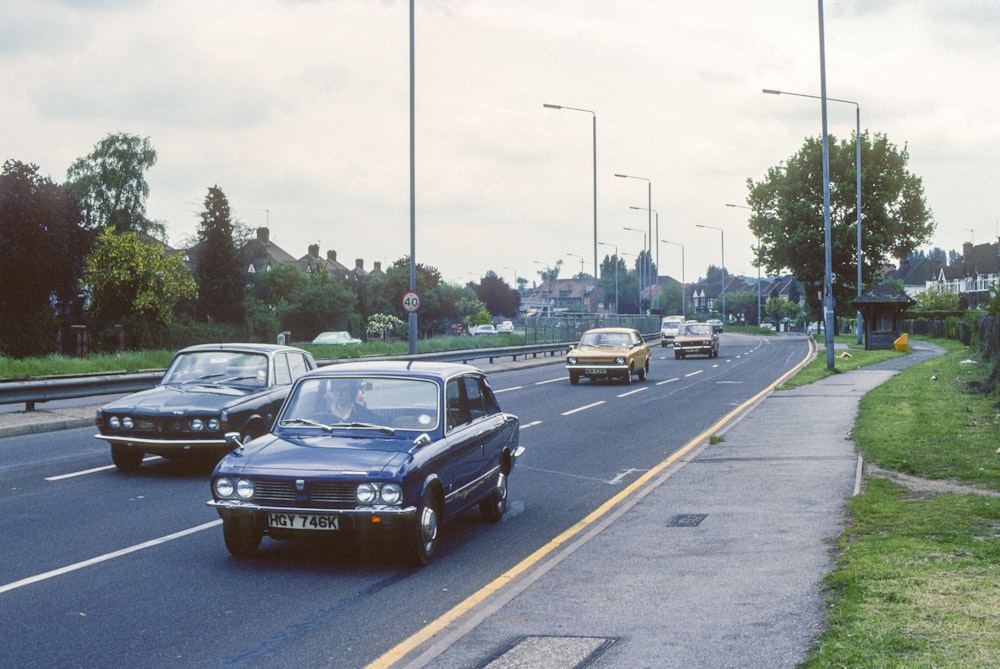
299 111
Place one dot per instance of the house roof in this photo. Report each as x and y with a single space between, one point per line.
884 293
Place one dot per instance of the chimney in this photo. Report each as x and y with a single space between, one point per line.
378 266
359 264
331 255
967 250
314 250
263 235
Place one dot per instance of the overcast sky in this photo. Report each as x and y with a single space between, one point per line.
299 111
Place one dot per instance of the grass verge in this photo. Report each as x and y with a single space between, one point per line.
917 579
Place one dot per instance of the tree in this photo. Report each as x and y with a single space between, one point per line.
111 183
742 305
551 273
788 221
320 304
613 269
217 266
43 243
132 283
499 298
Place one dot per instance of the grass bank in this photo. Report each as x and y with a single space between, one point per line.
54 365
917 579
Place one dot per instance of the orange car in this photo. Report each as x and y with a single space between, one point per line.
609 353
698 338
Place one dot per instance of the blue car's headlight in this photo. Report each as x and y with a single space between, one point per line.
224 488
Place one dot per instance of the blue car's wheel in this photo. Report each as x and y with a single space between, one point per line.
493 507
424 531
241 535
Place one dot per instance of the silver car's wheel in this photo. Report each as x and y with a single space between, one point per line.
241 535
126 460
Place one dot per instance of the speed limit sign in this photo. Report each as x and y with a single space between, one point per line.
411 301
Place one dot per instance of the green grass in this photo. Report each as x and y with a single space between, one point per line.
54 365
917 580
856 356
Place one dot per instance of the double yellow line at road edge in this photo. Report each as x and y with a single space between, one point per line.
407 646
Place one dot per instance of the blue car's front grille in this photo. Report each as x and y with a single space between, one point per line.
320 493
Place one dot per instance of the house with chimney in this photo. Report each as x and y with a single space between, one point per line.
973 274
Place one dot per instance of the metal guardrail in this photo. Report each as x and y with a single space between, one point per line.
32 391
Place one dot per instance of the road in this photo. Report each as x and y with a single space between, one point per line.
104 568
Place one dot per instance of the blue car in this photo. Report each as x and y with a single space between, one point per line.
390 448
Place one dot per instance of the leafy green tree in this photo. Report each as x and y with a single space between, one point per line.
277 285
670 299
613 268
132 283
778 308
742 305
937 298
43 243
500 299
321 304
788 217
111 183
217 266
551 273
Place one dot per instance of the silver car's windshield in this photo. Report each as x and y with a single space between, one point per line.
362 402
218 367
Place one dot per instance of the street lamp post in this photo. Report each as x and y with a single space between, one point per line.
655 279
683 308
722 235
515 278
616 272
594 114
649 231
638 265
741 206
583 304
857 169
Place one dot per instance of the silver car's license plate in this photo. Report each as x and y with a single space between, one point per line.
302 521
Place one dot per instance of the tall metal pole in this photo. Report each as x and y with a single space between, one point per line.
683 308
857 169
722 234
649 231
616 273
594 139
828 259
412 320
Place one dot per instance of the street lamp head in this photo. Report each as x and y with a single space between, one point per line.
548 106
771 91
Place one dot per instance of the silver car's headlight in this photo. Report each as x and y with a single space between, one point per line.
127 423
391 494
214 425
244 489
114 422
197 424
224 488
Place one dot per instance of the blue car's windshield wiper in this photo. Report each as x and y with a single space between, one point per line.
372 426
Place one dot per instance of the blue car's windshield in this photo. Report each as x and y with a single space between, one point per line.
362 401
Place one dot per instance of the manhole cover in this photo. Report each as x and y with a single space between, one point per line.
687 520
551 652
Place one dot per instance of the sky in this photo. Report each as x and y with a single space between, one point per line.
299 110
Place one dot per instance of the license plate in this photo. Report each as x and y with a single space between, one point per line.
594 370
302 521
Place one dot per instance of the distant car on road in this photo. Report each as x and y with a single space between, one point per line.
668 329
338 338
381 449
206 392
609 353
506 327
484 330
717 325
696 338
